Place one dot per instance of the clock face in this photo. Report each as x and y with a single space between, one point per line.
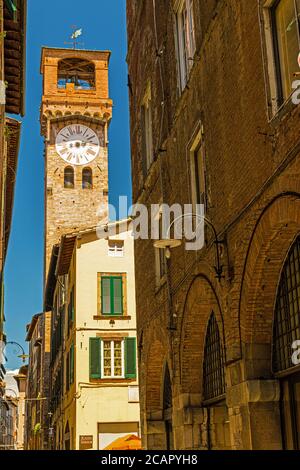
77 144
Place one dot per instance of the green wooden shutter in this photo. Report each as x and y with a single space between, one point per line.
68 373
106 296
95 358
11 6
73 305
130 358
72 364
117 290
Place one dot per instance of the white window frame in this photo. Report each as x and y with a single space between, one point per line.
116 251
148 126
185 39
196 146
112 367
271 72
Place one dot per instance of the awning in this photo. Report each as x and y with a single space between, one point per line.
129 442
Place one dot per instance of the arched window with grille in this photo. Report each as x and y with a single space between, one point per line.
167 408
213 367
286 330
87 178
69 180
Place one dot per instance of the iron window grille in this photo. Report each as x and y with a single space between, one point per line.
286 328
214 368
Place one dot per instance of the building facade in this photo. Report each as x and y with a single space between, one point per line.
94 386
12 90
37 384
89 281
75 114
215 121
21 379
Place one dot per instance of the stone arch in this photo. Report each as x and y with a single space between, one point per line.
201 301
274 233
156 361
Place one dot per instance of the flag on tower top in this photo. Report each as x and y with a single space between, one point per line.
76 34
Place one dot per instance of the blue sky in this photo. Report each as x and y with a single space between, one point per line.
104 27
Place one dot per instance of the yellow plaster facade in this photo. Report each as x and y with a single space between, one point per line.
95 411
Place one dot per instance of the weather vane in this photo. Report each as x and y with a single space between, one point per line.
76 33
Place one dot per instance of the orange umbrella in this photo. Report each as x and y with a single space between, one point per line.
129 442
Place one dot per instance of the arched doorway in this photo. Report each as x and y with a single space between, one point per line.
168 408
286 331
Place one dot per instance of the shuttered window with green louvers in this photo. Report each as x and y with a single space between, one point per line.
112 295
12 8
110 365
72 364
95 358
130 358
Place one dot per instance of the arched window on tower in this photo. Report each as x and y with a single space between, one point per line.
69 178
286 331
87 178
77 71
167 408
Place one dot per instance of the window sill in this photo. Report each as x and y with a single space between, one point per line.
286 107
113 381
112 317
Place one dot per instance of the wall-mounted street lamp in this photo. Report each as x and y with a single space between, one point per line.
169 244
22 356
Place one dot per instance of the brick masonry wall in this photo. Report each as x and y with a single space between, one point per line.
69 210
252 179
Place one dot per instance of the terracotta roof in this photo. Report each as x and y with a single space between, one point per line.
15 56
32 326
65 255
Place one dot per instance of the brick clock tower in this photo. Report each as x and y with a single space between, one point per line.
75 115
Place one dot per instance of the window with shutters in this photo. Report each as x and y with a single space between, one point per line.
72 364
113 358
68 372
71 310
112 294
